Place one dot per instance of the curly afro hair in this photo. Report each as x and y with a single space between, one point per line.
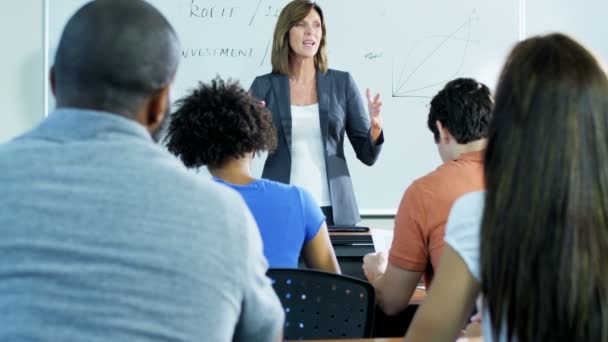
217 121
464 106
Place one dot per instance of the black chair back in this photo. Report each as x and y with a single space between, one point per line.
321 305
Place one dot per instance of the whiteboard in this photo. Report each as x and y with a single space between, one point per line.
406 50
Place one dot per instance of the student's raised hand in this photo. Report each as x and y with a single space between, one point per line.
374 265
374 106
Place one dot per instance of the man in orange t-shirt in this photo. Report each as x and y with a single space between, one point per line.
459 117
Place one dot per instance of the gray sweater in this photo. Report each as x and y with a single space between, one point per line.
107 237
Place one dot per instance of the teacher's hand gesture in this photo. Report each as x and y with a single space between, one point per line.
374 106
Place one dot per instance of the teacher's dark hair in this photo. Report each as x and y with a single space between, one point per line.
464 107
216 122
544 236
291 14
113 54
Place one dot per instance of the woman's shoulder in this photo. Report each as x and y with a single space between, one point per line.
267 77
341 78
335 73
261 84
264 76
261 80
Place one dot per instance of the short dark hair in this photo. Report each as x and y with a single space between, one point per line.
218 121
113 54
544 234
464 107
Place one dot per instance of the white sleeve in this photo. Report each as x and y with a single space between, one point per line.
463 229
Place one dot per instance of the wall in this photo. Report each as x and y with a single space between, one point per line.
22 37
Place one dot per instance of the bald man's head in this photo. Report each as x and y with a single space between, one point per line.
113 55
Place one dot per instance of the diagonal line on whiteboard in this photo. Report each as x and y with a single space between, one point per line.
256 12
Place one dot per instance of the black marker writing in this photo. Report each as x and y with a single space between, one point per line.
211 12
218 52
273 12
372 55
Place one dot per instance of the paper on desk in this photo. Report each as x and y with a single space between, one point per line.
382 239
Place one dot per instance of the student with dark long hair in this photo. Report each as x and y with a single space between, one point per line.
536 243
544 251
220 126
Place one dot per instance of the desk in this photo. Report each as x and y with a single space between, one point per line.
350 249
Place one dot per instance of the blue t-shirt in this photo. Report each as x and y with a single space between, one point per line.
288 217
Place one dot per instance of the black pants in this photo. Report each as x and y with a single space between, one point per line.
329 215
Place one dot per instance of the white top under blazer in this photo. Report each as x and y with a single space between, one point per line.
308 153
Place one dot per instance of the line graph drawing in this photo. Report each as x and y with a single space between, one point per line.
413 79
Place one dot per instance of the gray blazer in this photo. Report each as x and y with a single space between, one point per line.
341 109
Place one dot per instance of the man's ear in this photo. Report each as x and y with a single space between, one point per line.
52 81
444 135
157 108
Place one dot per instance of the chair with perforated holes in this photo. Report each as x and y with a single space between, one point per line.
321 305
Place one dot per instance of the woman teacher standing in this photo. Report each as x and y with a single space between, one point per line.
312 107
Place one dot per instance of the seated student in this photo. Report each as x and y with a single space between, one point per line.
101 237
221 126
458 119
543 221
